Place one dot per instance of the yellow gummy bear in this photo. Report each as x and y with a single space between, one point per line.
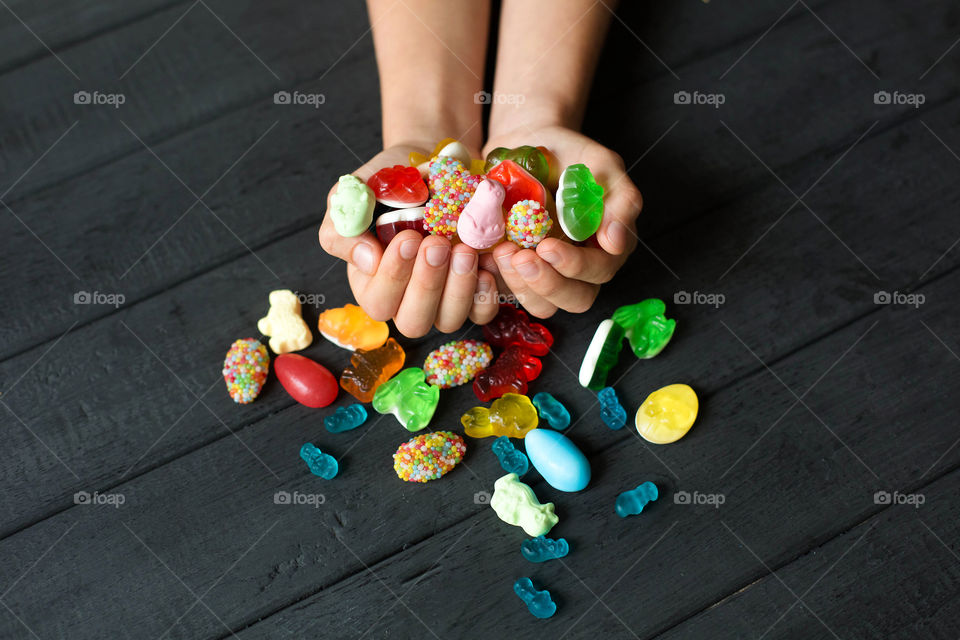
667 414
513 416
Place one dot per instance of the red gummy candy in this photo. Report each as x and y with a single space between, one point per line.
308 382
512 327
399 187
391 223
508 374
519 184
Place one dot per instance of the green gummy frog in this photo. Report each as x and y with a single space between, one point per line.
516 504
579 202
409 397
645 326
351 207
528 157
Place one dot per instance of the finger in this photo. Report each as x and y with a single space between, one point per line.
530 300
380 295
543 280
418 310
362 251
580 263
617 234
485 300
457 298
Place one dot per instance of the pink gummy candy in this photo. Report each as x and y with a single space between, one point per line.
481 223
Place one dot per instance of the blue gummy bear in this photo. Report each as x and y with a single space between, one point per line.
541 549
611 411
346 418
538 602
630 503
320 463
552 410
511 459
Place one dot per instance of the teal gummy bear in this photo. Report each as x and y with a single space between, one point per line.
539 603
630 503
346 418
579 202
511 459
611 411
552 410
541 549
409 397
645 326
320 463
602 355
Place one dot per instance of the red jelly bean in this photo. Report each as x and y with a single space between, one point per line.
512 327
391 223
399 186
508 374
308 382
519 184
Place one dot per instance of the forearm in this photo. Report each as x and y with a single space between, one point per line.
430 57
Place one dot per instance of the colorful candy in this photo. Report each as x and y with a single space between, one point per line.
558 460
458 150
408 397
579 202
602 355
551 410
518 183
481 223
667 414
351 206
457 362
450 196
417 158
399 187
512 327
442 170
532 159
428 456
351 328
632 502
370 368
645 326
515 503
512 415
611 411
308 382
511 459
508 374
284 324
529 222
320 463
391 223
541 549
245 369
345 418
539 603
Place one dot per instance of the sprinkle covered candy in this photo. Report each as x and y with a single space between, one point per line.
451 195
457 362
428 456
245 369
528 223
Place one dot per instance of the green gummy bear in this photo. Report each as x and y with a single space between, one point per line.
602 355
409 397
645 326
528 157
516 504
351 207
579 202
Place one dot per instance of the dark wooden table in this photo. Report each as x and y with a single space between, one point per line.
818 220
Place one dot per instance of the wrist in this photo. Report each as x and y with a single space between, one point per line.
533 113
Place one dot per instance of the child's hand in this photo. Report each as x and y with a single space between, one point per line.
559 274
418 282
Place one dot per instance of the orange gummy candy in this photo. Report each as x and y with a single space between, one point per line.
371 368
351 328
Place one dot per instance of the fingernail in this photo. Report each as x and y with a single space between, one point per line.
528 270
463 263
551 257
437 256
362 258
504 264
483 286
617 235
408 250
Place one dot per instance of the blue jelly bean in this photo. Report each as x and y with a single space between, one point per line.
345 418
630 503
511 459
552 410
320 463
541 549
611 411
539 603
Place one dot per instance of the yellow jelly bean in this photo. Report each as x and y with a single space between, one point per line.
667 414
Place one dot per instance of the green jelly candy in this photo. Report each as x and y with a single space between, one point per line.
601 355
579 202
409 397
351 207
528 157
645 326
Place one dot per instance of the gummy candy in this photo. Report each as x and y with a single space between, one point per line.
601 355
320 463
539 603
558 460
307 381
512 415
441 170
632 502
528 223
611 411
284 324
667 414
541 549
481 222
370 368
517 504
511 459
351 206
456 149
532 159
449 196
512 327
245 369
457 362
399 187
428 456
409 398
351 328
551 410
579 202
345 418
391 223
509 373
518 182
416 158
645 326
